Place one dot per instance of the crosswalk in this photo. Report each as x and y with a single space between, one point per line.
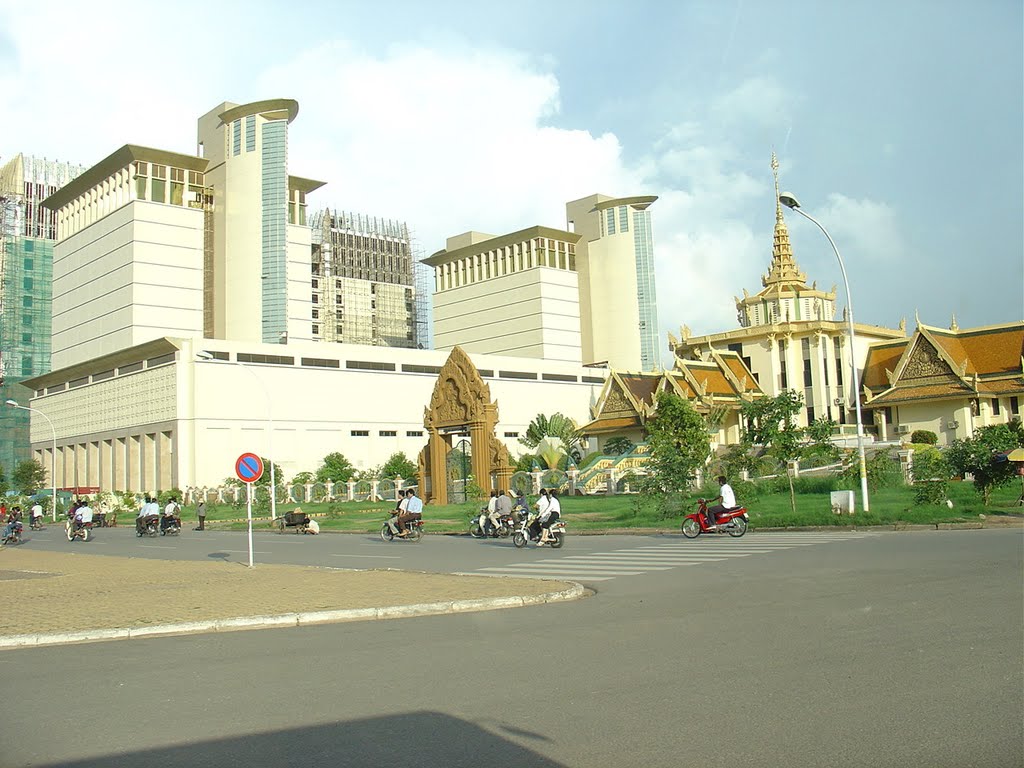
664 556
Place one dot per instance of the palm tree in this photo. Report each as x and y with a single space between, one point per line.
557 426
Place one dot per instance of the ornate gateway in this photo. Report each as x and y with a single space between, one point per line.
461 404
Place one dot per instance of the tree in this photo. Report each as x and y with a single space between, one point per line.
304 478
399 465
29 476
619 445
558 426
678 445
265 477
335 468
771 423
977 455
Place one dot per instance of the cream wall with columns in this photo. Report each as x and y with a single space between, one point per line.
184 421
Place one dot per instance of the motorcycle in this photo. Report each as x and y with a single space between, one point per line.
732 521
524 534
37 524
479 524
14 537
150 526
170 525
413 528
76 529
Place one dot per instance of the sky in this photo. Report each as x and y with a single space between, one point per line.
898 125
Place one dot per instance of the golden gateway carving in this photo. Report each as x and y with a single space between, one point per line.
461 402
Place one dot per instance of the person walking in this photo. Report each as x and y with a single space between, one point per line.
201 514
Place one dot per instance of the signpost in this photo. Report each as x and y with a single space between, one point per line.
249 468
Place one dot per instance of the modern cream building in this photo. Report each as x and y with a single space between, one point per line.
162 256
789 337
517 294
618 300
582 294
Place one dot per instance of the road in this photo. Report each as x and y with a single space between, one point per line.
882 649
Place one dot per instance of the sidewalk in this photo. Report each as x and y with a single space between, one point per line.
61 598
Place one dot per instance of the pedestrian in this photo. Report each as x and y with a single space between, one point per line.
201 514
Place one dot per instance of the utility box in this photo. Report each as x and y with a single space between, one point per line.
842 502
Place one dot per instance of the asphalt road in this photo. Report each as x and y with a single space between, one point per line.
889 649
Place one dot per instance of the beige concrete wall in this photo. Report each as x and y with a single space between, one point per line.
533 313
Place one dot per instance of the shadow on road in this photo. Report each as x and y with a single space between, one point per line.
413 740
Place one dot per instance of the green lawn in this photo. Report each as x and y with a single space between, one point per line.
599 513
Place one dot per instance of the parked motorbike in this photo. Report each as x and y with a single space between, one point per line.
76 529
170 525
732 521
524 534
14 537
150 526
413 528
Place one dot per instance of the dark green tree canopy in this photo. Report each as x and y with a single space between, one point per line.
678 443
29 476
399 465
335 468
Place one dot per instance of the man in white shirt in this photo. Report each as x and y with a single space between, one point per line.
551 514
37 515
149 508
83 515
170 513
492 515
728 499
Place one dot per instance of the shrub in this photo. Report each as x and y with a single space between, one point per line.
883 472
924 437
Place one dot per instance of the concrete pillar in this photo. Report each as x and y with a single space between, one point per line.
907 465
119 466
165 460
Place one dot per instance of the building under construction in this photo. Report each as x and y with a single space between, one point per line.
363 283
27 233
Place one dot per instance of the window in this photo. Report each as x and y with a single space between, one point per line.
103 375
28 262
129 368
153 362
516 375
623 218
610 215
360 433
26 302
218 355
362 365
414 433
250 133
484 373
317 362
78 382
591 379
995 406
1014 406
243 357
236 137
316 314
557 377
511 434
432 369
387 433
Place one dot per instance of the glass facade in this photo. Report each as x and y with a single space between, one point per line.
274 160
646 295
24 338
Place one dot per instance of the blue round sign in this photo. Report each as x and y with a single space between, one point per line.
249 467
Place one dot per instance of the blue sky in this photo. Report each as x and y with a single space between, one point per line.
899 125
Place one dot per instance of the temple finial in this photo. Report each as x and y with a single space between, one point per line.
775 173
953 325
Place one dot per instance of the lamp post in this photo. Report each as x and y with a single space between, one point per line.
788 200
204 355
53 452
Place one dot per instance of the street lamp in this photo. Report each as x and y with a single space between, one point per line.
204 355
53 452
788 200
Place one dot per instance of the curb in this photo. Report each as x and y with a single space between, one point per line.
308 618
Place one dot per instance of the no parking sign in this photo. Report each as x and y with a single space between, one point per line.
249 467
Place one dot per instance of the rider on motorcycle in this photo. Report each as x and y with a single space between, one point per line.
728 499
12 522
170 516
149 509
83 515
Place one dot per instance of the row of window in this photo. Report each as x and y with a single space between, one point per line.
538 252
121 370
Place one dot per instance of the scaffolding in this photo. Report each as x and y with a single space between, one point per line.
362 280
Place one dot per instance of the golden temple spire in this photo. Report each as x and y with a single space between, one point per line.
784 268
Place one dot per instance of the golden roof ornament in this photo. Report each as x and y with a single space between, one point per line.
784 269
